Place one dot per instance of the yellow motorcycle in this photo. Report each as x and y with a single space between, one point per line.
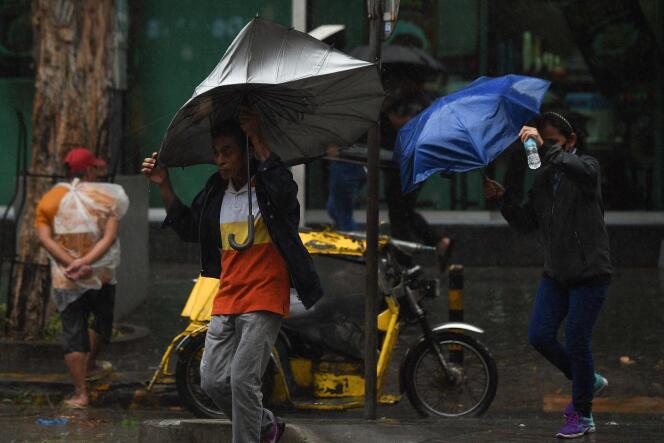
317 359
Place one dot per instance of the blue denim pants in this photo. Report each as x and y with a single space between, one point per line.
581 305
346 181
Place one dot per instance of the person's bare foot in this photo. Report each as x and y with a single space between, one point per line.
78 401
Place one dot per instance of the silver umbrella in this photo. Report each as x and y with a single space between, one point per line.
307 95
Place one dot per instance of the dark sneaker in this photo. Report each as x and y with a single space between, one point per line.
278 427
576 426
599 385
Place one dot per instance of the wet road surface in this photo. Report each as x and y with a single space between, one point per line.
496 299
110 425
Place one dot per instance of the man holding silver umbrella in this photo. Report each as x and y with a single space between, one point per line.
254 289
294 96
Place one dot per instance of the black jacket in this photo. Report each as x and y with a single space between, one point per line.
570 220
276 193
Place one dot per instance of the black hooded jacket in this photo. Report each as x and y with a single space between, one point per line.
565 206
276 193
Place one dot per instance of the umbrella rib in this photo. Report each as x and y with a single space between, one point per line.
248 53
323 60
470 135
518 102
282 52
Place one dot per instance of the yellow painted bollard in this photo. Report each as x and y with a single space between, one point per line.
455 307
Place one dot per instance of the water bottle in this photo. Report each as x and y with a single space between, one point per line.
531 152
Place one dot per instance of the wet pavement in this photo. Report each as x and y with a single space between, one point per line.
42 424
499 301
530 391
29 424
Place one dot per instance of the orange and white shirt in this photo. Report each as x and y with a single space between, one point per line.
257 278
77 214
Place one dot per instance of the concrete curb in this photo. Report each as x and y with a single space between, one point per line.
16 353
209 431
126 389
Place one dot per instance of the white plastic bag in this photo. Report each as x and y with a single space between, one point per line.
78 225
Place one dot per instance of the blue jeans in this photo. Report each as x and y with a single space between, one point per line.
581 306
346 180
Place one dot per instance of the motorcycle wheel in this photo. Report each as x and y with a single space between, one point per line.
429 390
188 380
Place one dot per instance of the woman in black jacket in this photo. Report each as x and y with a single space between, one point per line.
565 207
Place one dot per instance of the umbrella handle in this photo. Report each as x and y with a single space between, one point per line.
250 218
250 236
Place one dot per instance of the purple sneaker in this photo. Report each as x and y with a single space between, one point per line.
599 385
576 426
278 427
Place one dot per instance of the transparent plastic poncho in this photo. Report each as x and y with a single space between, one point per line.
78 225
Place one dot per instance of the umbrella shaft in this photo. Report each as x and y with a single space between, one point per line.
248 149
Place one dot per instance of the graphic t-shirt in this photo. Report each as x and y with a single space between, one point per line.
257 278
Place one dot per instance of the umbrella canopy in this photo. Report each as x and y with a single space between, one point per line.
409 56
467 129
307 95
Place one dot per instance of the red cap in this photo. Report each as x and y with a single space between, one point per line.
79 159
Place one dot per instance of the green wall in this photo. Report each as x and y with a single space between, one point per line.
352 14
15 93
173 46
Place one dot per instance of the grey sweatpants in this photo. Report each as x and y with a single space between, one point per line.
237 353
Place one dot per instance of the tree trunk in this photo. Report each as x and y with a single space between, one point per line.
73 56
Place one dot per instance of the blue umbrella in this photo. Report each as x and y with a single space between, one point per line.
468 129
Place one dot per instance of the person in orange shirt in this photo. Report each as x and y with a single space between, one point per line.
254 289
77 224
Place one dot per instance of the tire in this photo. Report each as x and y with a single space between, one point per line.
188 380
428 389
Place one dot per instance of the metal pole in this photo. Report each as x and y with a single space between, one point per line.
370 345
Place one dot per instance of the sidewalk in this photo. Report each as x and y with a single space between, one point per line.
120 389
167 421
106 425
531 429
